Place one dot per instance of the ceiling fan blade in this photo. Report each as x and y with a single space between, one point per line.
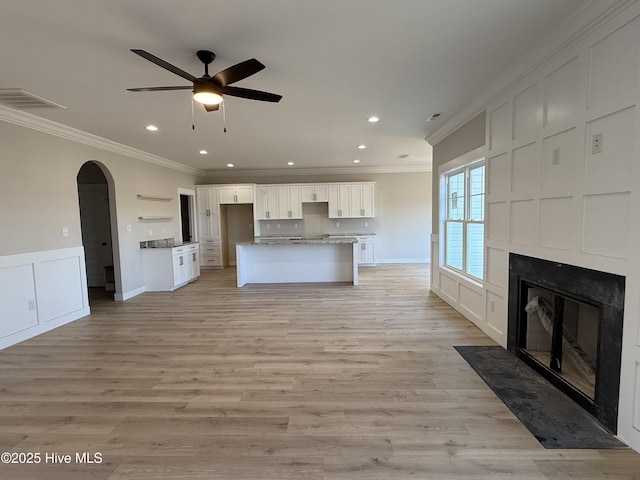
165 65
237 72
158 89
211 108
251 94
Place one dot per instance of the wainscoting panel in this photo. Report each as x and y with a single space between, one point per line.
18 299
40 291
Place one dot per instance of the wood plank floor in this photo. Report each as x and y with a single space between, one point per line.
305 382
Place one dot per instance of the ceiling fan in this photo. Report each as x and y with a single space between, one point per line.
208 89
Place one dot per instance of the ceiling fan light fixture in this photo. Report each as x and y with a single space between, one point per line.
207 98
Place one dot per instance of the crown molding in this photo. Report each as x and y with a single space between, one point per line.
50 127
286 172
584 21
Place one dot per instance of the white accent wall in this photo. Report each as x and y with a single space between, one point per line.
552 194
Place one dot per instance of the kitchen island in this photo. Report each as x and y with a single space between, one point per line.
297 260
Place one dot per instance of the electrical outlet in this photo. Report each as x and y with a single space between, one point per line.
366 224
277 225
31 305
268 226
65 232
150 232
337 224
129 228
555 160
597 143
295 225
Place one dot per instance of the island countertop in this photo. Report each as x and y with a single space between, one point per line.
298 241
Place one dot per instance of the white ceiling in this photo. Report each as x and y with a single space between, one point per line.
336 62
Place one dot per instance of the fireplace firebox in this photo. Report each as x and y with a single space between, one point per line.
566 323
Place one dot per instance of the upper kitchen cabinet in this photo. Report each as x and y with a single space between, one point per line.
278 202
314 193
236 194
353 200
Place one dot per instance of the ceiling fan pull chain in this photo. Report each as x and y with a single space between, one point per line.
193 118
224 117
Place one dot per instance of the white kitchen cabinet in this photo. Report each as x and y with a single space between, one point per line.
314 193
166 269
209 226
211 253
278 202
361 200
289 202
339 200
208 212
366 255
236 194
367 252
354 200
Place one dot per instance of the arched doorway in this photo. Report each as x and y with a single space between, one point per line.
95 218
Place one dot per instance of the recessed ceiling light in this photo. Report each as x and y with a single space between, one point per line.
433 117
229 165
203 152
151 128
373 119
362 146
356 161
290 163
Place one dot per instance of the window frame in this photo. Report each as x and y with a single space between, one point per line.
464 164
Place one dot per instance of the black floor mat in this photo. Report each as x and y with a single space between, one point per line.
553 418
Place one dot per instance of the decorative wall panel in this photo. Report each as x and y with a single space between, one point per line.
527 113
558 162
613 64
525 169
497 221
557 222
605 224
560 94
524 222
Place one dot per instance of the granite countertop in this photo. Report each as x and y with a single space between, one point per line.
164 243
298 241
367 234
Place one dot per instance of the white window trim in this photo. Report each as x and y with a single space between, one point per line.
463 161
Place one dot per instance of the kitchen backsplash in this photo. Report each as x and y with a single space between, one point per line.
316 222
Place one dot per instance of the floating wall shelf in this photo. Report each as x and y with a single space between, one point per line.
155 217
154 197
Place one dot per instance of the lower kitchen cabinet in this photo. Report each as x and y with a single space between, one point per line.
367 250
166 269
210 253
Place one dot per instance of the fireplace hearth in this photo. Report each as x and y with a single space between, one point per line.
566 323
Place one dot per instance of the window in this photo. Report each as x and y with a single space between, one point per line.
464 219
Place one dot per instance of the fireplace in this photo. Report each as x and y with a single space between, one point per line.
566 323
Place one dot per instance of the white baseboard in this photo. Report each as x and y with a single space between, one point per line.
403 260
123 297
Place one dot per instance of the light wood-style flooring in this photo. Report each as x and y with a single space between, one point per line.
309 382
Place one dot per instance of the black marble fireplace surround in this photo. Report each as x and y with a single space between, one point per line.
604 292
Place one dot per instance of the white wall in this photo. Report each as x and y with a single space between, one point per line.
39 197
549 196
403 212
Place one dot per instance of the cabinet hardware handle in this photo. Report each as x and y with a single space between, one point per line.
181 261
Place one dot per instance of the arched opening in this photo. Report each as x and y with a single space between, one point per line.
97 209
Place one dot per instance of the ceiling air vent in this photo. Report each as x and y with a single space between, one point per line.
404 155
18 98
